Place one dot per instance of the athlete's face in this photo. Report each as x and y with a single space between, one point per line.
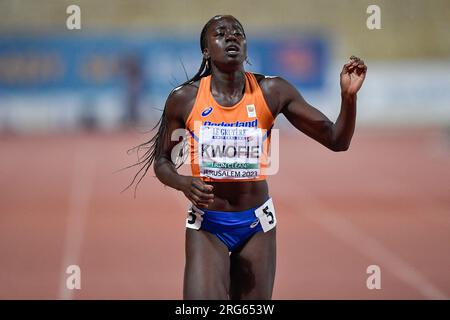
226 43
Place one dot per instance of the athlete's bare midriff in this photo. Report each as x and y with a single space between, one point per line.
238 196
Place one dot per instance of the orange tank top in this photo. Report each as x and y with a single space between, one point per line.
230 143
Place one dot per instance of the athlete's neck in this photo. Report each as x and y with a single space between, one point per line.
230 84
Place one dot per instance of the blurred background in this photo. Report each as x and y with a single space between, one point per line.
72 102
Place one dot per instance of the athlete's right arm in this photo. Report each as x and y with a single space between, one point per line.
178 106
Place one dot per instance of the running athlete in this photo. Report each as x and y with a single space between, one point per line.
231 222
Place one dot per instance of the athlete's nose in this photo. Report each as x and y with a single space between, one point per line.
230 36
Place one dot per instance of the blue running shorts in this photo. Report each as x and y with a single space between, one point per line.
233 228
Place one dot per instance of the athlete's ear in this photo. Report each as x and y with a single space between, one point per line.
206 54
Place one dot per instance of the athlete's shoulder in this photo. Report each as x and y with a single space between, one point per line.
275 89
184 93
181 99
277 86
269 83
261 77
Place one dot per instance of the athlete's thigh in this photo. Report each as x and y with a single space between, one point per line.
207 269
253 267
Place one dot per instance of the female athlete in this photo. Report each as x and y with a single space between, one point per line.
231 234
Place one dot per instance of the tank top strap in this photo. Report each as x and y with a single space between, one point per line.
252 82
205 84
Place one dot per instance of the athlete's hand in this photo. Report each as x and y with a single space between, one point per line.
197 191
352 76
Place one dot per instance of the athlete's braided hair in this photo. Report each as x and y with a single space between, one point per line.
154 145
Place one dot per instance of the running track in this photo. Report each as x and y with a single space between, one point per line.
384 202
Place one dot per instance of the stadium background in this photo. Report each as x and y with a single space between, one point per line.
73 101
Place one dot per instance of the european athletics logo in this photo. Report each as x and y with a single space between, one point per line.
207 111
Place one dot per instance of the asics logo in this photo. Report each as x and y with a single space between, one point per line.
254 224
207 111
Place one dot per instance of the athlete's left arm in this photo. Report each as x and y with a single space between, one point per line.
306 118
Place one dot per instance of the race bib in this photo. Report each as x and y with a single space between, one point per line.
229 152
194 217
266 215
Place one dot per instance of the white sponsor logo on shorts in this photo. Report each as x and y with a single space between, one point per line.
254 224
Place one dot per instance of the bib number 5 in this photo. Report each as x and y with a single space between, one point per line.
269 215
266 215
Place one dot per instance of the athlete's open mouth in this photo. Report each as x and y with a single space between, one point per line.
232 49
